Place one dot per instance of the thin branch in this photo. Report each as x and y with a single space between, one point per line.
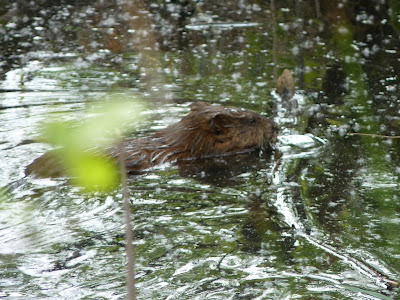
129 248
318 9
274 39
375 135
355 263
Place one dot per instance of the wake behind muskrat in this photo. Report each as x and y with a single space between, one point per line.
206 131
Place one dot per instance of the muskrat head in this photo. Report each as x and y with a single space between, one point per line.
213 130
237 130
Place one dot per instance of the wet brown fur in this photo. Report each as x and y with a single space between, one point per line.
207 131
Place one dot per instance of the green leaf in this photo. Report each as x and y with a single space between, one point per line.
81 143
94 172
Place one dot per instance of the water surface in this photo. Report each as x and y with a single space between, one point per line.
320 220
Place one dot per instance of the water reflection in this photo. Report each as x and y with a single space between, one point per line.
320 221
227 171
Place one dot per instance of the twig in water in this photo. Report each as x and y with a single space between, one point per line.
375 135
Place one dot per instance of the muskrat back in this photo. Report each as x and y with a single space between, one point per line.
207 131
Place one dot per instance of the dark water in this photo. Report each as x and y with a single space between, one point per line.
321 222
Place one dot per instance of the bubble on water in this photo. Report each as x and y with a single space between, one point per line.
295 50
11 25
388 142
391 88
80 63
236 76
343 130
375 49
308 44
186 268
284 26
366 52
343 30
256 7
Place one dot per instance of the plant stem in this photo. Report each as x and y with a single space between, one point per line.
129 248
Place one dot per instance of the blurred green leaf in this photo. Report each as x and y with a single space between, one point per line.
82 143
94 172
110 122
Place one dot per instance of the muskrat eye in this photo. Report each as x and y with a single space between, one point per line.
252 121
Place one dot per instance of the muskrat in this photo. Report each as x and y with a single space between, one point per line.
207 131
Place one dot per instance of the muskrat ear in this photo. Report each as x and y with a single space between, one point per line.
197 106
218 123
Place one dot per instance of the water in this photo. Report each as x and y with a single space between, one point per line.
320 220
